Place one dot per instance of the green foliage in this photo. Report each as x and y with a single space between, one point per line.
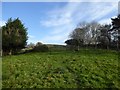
14 36
74 44
88 68
41 48
116 30
38 43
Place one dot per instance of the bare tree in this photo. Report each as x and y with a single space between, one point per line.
86 32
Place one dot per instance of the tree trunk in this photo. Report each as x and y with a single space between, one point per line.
10 52
107 47
78 48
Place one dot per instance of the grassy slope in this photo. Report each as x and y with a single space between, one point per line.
84 69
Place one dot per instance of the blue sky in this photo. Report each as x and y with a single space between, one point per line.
52 22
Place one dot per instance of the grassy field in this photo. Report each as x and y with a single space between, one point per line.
64 69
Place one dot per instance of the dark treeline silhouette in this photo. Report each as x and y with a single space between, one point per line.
95 35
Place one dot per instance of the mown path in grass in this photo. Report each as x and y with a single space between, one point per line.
83 69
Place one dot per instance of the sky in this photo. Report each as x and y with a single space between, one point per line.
52 22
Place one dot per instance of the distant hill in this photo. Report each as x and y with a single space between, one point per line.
55 47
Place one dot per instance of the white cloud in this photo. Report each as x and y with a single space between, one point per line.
53 38
59 35
93 0
104 9
2 23
60 16
34 40
56 21
105 21
56 39
63 20
31 36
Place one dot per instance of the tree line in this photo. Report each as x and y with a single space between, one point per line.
92 34
95 35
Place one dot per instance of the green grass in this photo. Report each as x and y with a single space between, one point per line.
84 69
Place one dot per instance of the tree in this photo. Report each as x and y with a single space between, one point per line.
41 48
77 38
86 32
14 36
73 44
93 33
116 29
79 33
104 36
38 44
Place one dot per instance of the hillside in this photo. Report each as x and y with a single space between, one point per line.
84 69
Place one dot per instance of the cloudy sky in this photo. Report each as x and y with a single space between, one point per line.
52 22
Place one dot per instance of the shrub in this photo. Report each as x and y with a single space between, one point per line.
38 44
41 48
